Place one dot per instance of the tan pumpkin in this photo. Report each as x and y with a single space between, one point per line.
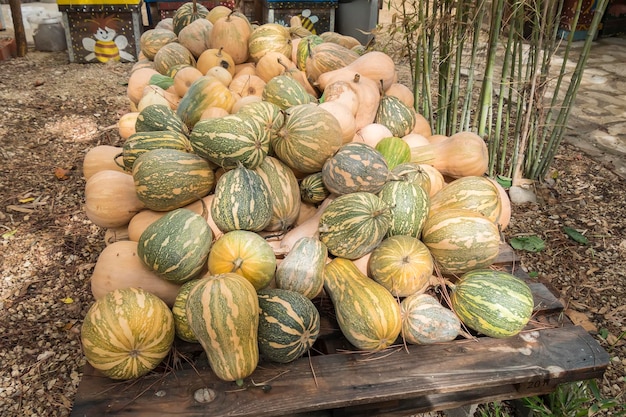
100 158
342 92
437 138
247 85
110 198
415 140
372 133
153 94
184 77
272 64
126 124
115 234
504 218
217 12
118 266
422 126
195 36
375 65
137 82
345 118
221 74
402 92
215 57
232 33
327 57
247 68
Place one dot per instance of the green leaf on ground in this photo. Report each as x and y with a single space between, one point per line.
575 235
528 243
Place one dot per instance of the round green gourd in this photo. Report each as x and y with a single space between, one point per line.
494 303
284 91
167 179
395 151
176 246
289 324
355 167
312 188
354 224
127 333
242 201
187 13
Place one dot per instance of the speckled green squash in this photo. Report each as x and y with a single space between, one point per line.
187 13
494 303
410 206
402 264
268 115
127 333
289 324
284 193
223 313
176 246
302 269
395 115
285 91
142 142
426 321
355 167
167 179
395 151
179 311
461 240
312 188
242 201
354 224
308 137
159 117
368 315
231 140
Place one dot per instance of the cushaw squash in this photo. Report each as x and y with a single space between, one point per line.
289 324
118 266
284 190
375 65
102 157
127 333
223 313
368 315
302 269
426 321
111 199
494 303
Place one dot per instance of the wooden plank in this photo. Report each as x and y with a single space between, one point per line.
429 377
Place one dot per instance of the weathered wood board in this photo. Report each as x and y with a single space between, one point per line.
336 382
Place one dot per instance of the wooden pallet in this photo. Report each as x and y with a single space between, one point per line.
336 382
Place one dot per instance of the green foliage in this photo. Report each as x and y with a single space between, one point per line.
528 243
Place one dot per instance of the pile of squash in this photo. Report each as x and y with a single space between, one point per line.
265 166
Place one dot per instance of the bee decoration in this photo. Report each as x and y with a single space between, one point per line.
107 45
308 21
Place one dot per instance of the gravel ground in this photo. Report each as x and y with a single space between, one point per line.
53 112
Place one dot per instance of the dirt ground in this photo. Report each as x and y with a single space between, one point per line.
53 112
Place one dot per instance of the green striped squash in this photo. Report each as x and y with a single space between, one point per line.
206 91
231 140
127 333
304 50
242 201
471 193
159 117
409 207
171 55
326 57
223 313
461 240
368 315
413 173
268 115
494 303
395 151
312 188
354 224
302 269
167 179
426 321
289 324
401 264
395 115
269 37
284 193
176 246
152 40
356 166
284 91
187 13
309 136
179 311
244 253
142 142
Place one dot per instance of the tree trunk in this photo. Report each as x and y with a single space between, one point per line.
18 26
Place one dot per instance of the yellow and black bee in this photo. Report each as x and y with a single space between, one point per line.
308 21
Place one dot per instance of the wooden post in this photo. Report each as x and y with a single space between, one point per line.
18 26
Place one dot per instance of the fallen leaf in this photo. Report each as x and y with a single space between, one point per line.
581 319
61 173
26 200
67 300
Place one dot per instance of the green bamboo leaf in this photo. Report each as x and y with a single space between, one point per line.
528 243
575 235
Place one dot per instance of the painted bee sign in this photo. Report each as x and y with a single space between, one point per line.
103 33
317 16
